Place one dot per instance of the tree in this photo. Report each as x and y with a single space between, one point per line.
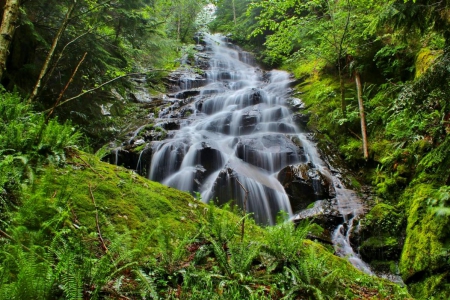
362 115
51 52
7 29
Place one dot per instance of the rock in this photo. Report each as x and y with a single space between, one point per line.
301 119
323 213
305 184
185 94
260 151
296 103
379 233
139 142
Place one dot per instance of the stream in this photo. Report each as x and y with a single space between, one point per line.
236 134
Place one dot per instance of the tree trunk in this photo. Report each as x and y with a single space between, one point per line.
44 69
179 28
10 17
234 13
342 89
362 116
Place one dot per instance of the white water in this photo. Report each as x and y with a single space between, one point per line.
242 130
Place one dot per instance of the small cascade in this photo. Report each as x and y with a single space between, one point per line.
349 207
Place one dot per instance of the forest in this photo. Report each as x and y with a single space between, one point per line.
84 87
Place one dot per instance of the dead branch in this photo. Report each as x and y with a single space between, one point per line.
352 132
89 166
67 85
103 84
100 238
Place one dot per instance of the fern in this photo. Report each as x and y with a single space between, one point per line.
148 286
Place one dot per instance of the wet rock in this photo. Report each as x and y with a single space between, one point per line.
185 94
139 142
323 213
301 119
170 125
296 103
268 151
305 184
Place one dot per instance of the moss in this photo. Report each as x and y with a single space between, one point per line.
427 235
358 285
306 68
140 148
125 199
316 229
425 59
434 287
383 218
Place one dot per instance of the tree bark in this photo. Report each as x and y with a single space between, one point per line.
10 17
362 116
45 67
342 90
234 13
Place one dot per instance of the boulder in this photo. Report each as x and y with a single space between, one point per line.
305 184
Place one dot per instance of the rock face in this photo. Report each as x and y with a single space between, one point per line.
305 184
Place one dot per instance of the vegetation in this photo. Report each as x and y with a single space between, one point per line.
400 49
71 58
74 227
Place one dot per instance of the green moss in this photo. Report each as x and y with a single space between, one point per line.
425 59
125 199
427 234
383 218
140 148
380 242
311 205
306 68
316 229
434 287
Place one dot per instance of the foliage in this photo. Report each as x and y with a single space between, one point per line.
161 243
28 141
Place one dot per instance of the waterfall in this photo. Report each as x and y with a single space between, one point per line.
242 131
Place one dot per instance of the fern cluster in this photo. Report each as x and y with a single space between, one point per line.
28 141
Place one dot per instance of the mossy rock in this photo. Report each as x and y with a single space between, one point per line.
380 247
425 59
425 252
380 234
435 287
122 198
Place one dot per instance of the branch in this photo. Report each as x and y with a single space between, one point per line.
100 238
67 85
103 84
90 167
244 208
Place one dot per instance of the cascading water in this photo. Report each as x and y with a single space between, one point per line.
241 132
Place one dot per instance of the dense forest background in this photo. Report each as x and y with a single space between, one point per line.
374 76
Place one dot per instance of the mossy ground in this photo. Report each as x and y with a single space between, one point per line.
164 242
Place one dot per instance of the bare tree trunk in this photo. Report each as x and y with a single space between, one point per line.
234 13
362 116
10 17
51 52
179 28
342 89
